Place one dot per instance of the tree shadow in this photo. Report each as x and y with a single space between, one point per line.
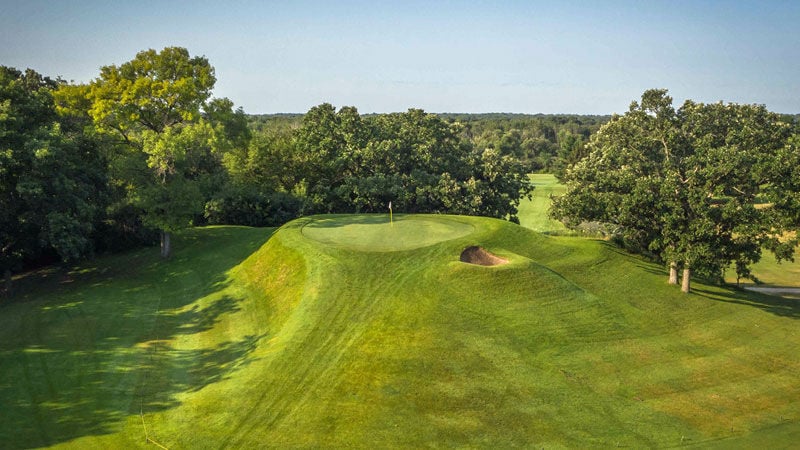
774 304
779 306
80 357
59 406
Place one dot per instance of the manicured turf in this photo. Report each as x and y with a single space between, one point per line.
379 233
308 344
533 213
772 273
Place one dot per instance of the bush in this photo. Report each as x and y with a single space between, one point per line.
250 207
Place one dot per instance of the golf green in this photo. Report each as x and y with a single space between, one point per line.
375 233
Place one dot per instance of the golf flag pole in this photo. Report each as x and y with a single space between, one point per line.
391 222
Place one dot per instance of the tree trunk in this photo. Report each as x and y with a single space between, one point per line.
166 245
673 273
8 287
685 285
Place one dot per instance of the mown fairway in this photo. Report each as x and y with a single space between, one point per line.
533 212
319 341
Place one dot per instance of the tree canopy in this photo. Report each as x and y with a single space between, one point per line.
154 103
51 177
416 160
685 185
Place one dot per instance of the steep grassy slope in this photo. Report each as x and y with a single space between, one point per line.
317 341
83 352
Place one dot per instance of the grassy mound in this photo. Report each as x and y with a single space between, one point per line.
308 342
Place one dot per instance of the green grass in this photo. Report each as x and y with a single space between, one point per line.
303 342
379 233
533 213
770 272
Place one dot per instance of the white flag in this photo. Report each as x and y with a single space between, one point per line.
390 206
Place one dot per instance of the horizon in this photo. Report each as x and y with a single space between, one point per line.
474 57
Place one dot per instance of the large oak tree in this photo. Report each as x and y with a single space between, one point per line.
153 103
683 185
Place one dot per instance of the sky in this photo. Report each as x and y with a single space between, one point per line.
591 57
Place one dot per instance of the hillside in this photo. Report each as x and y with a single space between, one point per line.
348 331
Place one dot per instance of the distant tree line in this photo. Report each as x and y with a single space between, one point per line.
144 150
541 142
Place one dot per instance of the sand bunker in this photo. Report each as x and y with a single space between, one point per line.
480 256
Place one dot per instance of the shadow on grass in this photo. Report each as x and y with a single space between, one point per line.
779 306
80 357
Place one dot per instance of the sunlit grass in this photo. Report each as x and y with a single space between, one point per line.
300 343
533 213
770 272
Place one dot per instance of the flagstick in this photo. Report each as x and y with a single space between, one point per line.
391 221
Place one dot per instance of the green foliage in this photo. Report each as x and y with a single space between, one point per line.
544 143
154 103
347 163
681 185
245 205
270 160
783 193
153 91
52 179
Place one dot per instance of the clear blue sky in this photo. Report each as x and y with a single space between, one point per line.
590 57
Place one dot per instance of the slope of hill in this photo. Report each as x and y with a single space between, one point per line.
316 339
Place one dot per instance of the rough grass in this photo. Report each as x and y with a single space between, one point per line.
307 344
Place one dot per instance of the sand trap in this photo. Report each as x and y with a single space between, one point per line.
481 256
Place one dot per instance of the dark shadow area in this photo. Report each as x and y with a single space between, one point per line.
78 357
775 304
64 405
779 306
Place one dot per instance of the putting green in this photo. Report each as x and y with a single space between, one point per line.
374 233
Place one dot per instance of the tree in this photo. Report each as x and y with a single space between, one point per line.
146 102
681 185
52 179
413 159
783 193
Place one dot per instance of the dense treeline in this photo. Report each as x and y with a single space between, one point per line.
542 142
340 161
144 150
